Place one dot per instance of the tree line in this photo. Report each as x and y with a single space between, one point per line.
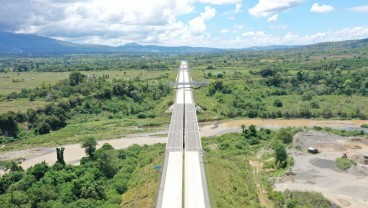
77 95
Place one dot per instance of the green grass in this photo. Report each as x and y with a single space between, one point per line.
36 79
230 181
21 105
341 132
144 184
344 163
306 199
229 174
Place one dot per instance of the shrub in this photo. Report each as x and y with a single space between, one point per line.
344 163
277 103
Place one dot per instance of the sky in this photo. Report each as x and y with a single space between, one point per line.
208 23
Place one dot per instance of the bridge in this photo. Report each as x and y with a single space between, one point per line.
183 180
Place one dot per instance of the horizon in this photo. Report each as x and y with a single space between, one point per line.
224 24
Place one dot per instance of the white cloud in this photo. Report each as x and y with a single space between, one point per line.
220 2
321 8
238 7
265 8
363 8
279 27
260 38
97 21
224 31
198 25
238 27
273 18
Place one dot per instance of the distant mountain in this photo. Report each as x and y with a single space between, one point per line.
30 45
25 44
271 47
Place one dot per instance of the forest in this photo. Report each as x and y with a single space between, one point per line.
103 176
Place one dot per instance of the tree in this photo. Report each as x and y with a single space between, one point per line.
281 156
39 170
60 155
277 103
267 72
89 144
43 128
107 160
75 78
285 135
8 124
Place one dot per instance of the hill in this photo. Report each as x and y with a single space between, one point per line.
30 45
26 44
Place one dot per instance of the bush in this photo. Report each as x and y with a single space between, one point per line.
277 103
285 135
281 156
344 163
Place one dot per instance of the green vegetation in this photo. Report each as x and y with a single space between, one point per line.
341 132
100 181
296 199
364 126
227 158
244 182
90 98
296 83
344 163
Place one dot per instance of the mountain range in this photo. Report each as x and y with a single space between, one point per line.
26 44
30 45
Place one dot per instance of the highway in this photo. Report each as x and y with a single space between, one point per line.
183 158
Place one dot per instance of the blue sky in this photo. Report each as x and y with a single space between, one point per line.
212 23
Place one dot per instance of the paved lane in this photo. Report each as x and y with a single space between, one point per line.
195 183
183 133
171 187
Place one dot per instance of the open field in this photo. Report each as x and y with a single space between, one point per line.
319 172
30 80
21 105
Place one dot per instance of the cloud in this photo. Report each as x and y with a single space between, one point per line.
238 7
265 8
254 38
224 31
96 21
220 2
238 27
363 8
279 27
321 8
198 25
273 18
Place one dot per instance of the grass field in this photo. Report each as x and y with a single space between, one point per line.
29 80
20 105
228 161
144 184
